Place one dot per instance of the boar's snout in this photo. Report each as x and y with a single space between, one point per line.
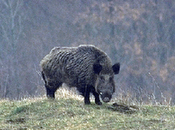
106 97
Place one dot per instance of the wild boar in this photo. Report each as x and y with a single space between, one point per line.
85 67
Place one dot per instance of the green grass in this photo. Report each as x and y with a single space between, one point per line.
71 113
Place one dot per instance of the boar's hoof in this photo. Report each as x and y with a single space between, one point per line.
87 102
98 103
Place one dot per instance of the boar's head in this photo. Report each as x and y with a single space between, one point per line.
105 85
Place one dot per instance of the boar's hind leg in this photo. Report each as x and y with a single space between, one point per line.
51 89
51 86
86 95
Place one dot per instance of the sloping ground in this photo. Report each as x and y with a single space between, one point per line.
71 113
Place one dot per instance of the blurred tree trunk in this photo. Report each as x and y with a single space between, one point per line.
11 25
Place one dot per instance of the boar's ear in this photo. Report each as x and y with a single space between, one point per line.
97 68
116 68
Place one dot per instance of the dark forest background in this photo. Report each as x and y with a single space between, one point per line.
140 34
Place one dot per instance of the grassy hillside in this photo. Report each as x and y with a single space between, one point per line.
69 112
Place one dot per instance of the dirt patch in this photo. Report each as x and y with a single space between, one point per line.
123 108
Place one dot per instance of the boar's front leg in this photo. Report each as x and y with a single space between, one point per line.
97 100
96 95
